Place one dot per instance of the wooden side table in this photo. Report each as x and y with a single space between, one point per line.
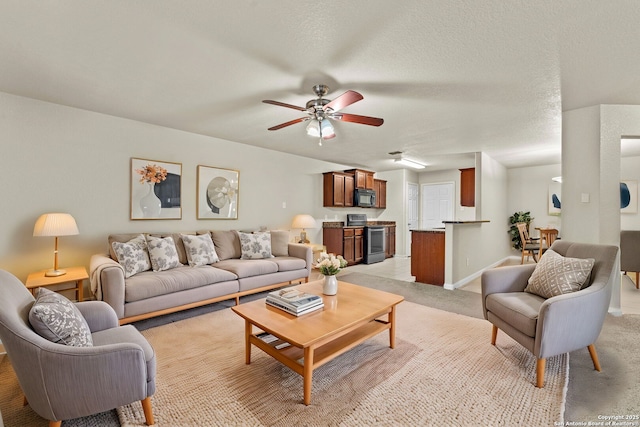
74 274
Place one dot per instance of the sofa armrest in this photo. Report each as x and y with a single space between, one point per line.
108 282
98 314
303 252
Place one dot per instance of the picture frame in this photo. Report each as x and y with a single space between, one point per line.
629 196
554 198
156 188
217 193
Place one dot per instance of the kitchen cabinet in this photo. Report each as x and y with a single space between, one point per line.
468 187
338 189
389 241
380 187
363 178
427 256
345 241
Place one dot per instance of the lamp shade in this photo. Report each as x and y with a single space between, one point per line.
55 224
303 221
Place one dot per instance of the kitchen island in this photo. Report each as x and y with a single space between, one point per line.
427 256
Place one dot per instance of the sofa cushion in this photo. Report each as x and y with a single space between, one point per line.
279 242
556 275
177 240
150 284
248 267
227 244
122 238
57 319
255 245
200 250
133 255
287 263
162 253
518 309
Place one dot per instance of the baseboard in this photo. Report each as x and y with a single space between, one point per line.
475 275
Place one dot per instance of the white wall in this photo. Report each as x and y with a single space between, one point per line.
528 190
460 213
57 158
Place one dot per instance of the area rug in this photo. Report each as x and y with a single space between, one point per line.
443 371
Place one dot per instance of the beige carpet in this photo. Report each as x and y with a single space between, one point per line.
443 371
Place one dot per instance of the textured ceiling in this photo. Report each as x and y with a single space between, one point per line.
449 77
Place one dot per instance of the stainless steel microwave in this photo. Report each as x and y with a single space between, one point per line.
364 198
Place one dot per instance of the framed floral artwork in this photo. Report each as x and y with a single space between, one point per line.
217 193
155 189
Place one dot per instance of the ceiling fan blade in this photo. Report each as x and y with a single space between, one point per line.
347 98
292 122
354 118
282 104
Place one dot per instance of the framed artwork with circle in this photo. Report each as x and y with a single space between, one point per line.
217 193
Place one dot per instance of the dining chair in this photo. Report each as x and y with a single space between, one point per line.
547 237
530 246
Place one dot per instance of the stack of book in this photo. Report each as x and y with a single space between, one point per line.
295 302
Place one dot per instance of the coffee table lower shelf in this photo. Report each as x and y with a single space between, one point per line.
304 360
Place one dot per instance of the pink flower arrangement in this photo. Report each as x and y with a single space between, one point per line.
152 173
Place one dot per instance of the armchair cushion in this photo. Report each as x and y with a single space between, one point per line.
518 309
557 275
57 319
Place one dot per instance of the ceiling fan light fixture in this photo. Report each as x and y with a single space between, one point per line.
326 129
313 129
410 163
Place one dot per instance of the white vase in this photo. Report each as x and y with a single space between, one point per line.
330 285
150 204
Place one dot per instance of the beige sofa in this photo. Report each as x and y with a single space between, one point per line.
151 293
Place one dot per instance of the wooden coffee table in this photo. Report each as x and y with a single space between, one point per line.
352 316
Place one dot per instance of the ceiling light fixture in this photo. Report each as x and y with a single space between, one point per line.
410 163
322 129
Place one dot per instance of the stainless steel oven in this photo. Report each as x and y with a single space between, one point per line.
374 242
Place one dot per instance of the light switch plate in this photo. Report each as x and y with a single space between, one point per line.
585 198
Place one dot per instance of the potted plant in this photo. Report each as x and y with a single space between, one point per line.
517 217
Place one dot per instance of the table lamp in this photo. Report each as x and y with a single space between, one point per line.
303 221
55 224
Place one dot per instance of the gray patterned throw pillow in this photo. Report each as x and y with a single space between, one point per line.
255 245
133 255
57 319
556 275
200 249
162 253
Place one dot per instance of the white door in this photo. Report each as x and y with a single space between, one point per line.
412 212
437 204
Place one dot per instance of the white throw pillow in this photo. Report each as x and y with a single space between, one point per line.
133 255
200 249
163 253
556 275
255 245
57 319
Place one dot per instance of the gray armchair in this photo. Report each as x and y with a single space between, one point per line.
63 382
560 324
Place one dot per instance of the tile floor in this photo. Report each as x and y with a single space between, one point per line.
399 268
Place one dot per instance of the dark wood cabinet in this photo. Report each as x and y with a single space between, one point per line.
390 241
347 241
380 187
337 189
468 187
363 178
427 256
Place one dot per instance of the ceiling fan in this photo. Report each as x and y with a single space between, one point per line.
320 110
